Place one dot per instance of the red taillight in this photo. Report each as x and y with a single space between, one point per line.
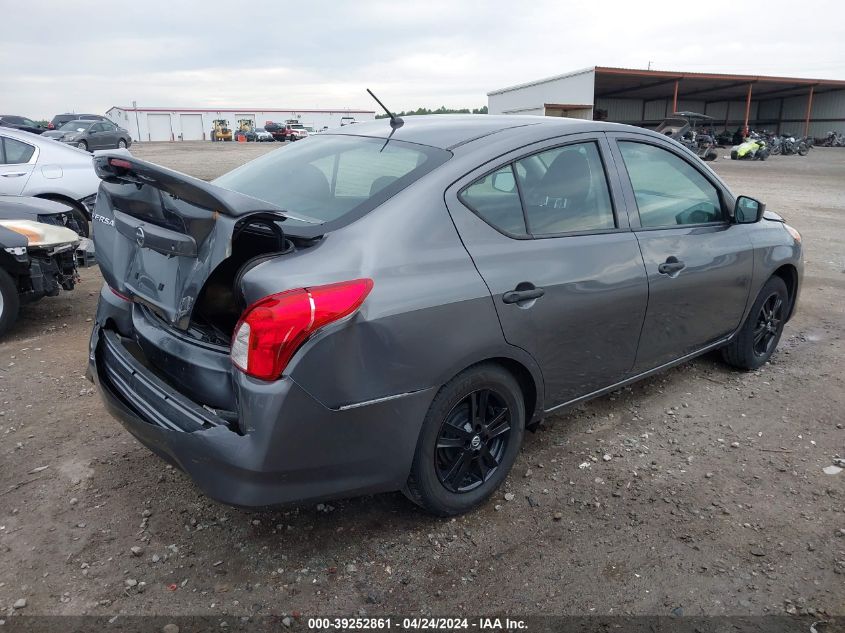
119 162
120 294
50 126
273 328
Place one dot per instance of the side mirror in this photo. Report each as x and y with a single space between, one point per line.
748 210
504 182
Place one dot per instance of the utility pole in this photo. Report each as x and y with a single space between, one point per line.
137 125
649 65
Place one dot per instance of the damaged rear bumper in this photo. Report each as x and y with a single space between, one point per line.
284 446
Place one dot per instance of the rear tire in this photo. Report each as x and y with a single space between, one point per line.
758 337
461 458
9 301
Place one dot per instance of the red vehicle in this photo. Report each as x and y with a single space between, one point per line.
289 131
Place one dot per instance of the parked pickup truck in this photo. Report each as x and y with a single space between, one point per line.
289 131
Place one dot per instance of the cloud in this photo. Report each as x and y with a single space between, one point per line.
324 54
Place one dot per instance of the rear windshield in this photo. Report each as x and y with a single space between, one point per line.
327 177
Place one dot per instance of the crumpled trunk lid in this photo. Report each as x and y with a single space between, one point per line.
160 234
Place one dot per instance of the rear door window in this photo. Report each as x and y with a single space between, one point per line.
495 199
16 152
557 191
564 190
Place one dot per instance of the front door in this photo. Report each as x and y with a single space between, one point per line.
17 160
551 239
699 263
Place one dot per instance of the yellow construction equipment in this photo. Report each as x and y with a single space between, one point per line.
221 130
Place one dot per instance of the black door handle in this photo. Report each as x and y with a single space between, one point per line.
671 266
517 296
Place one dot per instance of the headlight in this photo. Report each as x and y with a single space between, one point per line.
40 235
795 234
70 137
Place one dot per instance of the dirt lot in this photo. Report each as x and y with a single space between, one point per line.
713 500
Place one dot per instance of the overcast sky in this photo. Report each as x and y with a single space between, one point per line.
87 56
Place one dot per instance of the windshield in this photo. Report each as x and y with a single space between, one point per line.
76 126
327 177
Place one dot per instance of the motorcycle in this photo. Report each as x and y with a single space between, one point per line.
790 145
833 139
753 148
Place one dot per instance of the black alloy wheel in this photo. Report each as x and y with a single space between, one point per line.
469 440
768 325
472 441
755 342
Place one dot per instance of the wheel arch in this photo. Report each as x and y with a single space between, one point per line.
529 381
789 274
58 197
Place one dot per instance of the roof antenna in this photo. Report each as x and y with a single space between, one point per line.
395 121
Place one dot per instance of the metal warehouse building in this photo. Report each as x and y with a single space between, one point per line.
645 97
192 124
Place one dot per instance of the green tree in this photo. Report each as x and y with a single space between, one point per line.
440 110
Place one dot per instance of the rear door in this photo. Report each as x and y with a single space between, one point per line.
548 231
699 264
17 161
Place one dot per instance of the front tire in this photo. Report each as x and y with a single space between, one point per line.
121 144
9 301
469 441
758 338
82 145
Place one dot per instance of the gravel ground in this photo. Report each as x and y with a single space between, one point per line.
699 491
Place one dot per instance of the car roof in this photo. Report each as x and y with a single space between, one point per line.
42 142
448 131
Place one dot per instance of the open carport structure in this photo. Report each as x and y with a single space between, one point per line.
645 97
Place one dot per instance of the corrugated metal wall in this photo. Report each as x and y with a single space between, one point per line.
622 110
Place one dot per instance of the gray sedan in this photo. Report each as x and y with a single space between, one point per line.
390 306
91 135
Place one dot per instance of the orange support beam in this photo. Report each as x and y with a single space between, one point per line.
675 98
809 109
745 129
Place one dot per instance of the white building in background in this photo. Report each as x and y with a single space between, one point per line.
195 124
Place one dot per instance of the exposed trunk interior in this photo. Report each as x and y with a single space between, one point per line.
220 303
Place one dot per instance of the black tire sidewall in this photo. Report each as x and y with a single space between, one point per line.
82 221
11 301
742 354
424 487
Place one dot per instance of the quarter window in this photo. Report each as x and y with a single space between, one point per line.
669 191
495 198
16 152
565 190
